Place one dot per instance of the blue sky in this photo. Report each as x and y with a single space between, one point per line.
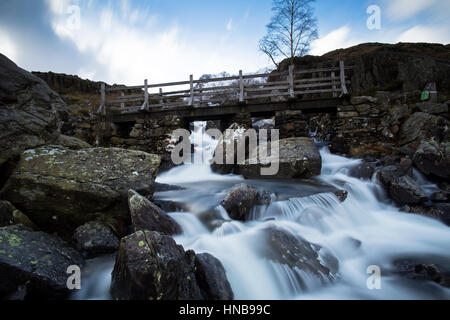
126 41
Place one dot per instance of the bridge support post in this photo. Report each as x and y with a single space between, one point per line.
191 80
145 105
291 81
342 72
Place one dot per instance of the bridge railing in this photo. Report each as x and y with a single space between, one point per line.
225 90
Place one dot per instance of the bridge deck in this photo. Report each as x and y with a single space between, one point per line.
224 111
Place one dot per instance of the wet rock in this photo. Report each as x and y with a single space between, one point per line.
151 266
95 238
423 126
282 247
414 270
440 196
440 211
433 158
265 198
147 216
432 108
61 189
297 158
339 145
363 171
212 279
341 195
391 173
37 260
239 200
405 190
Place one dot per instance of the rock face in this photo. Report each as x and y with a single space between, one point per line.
147 216
298 158
239 200
30 112
422 126
284 248
61 189
211 278
151 266
433 158
95 238
37 260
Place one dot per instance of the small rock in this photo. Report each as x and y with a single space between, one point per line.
363 171
239 200
95 238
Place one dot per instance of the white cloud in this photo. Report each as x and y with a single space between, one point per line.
425 34
230 24
128 50
7 47
336 39
404 9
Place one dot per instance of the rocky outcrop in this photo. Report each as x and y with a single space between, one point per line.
63 83
424 126
239 200
147 216
61 189
95 238
35 260
30 112
151 266
433 158
297 158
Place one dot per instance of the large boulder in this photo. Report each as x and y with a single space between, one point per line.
36 260
95 238
30 112
151 266
297 158
147 216
60 189
211 278
433 158
239 200
423 126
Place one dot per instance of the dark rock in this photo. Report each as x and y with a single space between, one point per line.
282 247
414 270
433 158
341 195
405 190
95 238
440 196
61 189
265 198
339 145
37 260
147 216
212 279
423 126
297 158
151 266
440 211
363 171
432 108
239 200
391 173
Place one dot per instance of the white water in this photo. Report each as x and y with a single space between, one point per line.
366 218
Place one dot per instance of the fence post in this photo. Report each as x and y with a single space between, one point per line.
161 100
241 87
291 81
122 104
333 77
342 72
145 106
191 79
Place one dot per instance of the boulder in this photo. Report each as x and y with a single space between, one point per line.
9 215
95 238
423 126
36 260
363 171
297 158
239 200
432 108
414 270
211 278
30 112
282 247
433 158
61 189
147 216
405 190
151 266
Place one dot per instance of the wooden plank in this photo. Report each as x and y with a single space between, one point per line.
127 100
317 70
342 72
316 91
269 88
333 76
313 80
314 85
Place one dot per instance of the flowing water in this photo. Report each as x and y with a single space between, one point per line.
365 230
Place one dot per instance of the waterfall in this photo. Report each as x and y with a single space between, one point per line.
366 229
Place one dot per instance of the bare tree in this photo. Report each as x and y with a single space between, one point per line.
291 30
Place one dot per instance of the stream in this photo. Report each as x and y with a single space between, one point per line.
365 230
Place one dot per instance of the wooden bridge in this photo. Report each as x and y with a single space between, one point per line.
213 98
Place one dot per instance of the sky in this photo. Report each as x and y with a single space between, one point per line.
127 41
